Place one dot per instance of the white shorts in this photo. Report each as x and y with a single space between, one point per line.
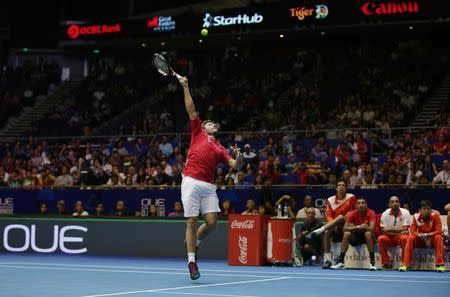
198 196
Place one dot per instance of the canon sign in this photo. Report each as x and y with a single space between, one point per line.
247 224
220 20
28 237
390 8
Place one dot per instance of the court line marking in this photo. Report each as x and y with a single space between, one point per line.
235 271
206 294
129 271
236 275
187 287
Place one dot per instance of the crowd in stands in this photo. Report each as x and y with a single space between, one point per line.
233 87
408 160
20 86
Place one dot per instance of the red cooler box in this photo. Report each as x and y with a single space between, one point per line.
246 234
280 240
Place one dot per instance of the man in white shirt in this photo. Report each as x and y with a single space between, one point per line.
248 154
394 224
79 210
443 176
308 202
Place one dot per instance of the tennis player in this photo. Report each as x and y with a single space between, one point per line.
198 193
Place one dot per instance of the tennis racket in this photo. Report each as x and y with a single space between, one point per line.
162 66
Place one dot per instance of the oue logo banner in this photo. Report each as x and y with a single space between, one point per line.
23 238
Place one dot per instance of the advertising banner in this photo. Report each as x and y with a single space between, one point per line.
21 201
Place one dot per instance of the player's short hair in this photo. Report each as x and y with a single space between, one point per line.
341 180
425 204
206 122
361 198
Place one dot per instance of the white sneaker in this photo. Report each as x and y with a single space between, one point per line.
372 267
339 265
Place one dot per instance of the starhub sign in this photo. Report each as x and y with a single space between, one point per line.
210 20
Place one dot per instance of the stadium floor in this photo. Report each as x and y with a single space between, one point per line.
27 275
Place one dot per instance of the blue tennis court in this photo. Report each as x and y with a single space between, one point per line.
87 276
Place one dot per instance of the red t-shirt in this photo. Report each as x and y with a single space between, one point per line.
204 154
356 219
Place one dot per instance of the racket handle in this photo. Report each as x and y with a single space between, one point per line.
175 74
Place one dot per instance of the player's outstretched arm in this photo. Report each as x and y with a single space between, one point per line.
188 102
239 161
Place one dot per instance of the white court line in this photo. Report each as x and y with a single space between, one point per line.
336 277
187 287
205 294
130 271
406 275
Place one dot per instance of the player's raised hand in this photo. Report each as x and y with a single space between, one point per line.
236 150
183 80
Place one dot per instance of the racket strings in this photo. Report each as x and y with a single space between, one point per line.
161 65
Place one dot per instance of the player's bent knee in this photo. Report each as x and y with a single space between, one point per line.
191 222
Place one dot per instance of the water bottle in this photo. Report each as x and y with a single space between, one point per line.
285 211
279 213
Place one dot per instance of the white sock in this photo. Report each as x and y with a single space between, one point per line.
319 231
198 242
327 257
191 257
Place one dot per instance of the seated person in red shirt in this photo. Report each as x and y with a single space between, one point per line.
425 231
337 208
359 227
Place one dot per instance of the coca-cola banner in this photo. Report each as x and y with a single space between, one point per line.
246 237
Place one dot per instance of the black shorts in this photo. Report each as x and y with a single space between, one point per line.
357 238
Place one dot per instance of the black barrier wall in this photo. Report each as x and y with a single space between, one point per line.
140 238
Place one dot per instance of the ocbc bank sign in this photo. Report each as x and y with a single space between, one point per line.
27 236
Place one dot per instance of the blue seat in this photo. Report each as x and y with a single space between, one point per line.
289 179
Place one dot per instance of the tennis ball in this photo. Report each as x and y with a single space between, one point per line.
204 32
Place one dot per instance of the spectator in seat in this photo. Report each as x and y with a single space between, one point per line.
43 209
250 205
61 208
258 182
368 182
161 178
177 210
309 204
292 163
152 211
240 180
395 229
425 231
358 229
309 246
443 177
291 205
249 156
226 209
165 147
99 209
79 210
440 146
120 209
